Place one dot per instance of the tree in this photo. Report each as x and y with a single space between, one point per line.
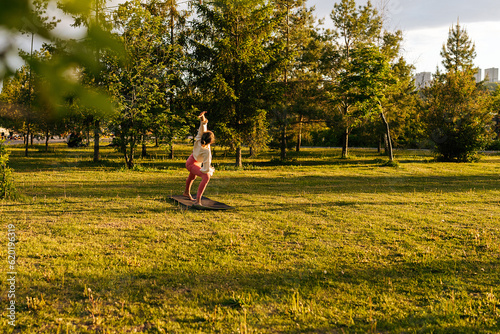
135 87
401 108
170 122
371 83
95 77
298 76
356 31
233 67
459 121
38 11
496 110
400 117
459 52
25 107
27 16
16 100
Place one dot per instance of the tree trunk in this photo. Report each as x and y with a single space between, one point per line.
388 134
239 162
144 152
299 136
283 141
380 140
97 130
47 133
88 135
27 140
171 150
345 143
386 144
130 160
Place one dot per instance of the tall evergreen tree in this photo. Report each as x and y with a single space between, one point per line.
298 76
459 51
458 120
169 119
233 54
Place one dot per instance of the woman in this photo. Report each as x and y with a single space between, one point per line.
199 162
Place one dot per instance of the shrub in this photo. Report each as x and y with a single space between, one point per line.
7 189
494 145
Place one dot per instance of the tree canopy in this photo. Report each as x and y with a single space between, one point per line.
266 71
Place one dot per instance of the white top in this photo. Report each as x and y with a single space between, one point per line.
203 154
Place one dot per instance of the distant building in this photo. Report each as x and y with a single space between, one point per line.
422 79
477 75
491 74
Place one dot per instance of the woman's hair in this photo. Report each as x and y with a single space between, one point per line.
207 138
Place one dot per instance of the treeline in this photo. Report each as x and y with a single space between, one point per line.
265 70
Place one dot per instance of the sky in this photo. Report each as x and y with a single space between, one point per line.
425 25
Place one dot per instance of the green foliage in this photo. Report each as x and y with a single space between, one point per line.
459 52
136 87
495 109
232 51
169 120
458 118
355 65
57 84
263 69
494 145
295 94
148 88
401 105
7 188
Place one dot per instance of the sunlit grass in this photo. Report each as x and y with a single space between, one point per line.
325 245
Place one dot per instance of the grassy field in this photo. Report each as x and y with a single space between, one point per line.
325 245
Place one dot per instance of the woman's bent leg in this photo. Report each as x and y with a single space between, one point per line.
195 170
189 183
201 188
190 163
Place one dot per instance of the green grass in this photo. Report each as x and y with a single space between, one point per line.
326 245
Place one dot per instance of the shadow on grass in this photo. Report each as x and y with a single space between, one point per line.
60 156
432 307
295 185
155 186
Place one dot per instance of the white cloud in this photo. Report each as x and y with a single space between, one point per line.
422 46
425 25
